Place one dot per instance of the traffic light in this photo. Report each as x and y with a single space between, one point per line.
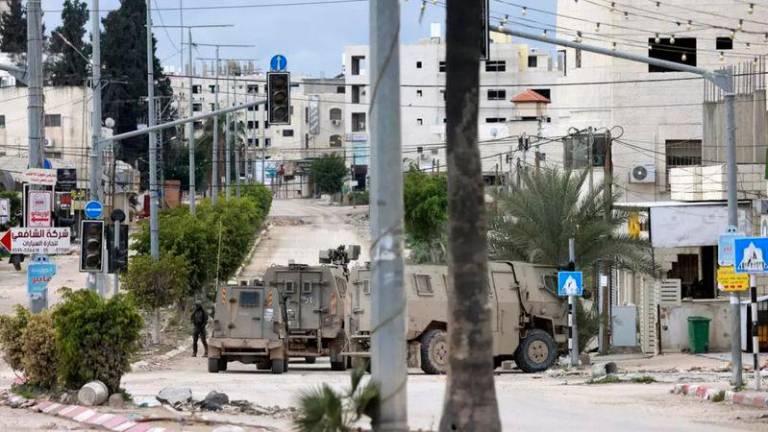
279 97
118 259
91 246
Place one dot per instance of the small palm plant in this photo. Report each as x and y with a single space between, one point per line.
323 409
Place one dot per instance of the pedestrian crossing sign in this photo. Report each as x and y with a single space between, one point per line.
570 284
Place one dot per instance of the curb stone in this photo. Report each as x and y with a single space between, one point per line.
753 399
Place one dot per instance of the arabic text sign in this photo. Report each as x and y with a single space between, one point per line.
38 276
39 208
49 241
730 281
750 255
40 176
725 249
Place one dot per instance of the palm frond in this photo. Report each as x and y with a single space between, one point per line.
320 410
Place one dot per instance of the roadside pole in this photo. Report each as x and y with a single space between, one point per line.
722 79
95 281
388 350
227 139
154 246
115 249
755 328
573 332
190 126
39 302
215 156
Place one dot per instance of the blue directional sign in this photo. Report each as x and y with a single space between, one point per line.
570 284
278 63
93 209
725 248
750 255
39 272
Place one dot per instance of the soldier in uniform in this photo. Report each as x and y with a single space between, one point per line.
199 320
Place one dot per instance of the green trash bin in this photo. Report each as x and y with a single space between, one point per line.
698 334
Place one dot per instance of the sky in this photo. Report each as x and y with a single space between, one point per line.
312 37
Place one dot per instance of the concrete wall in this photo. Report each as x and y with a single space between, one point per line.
751 133
674 324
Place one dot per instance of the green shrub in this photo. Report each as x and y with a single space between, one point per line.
95 338
11 332
39 347
359 198
259 194
154 284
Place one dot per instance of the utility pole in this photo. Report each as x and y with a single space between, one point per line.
388 350
35 109
572 322
227 138
722 79
215 168
93 281
605 288
154 245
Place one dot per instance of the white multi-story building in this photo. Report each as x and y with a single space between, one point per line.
317 121
511 73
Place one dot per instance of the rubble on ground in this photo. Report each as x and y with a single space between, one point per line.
218 402
175 396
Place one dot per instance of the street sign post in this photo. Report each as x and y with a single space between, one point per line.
278 63
93 209
570 284
49 241
750 253
730 281
39 272
39 208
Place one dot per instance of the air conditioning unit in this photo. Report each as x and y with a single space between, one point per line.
645 173
50 142
336 122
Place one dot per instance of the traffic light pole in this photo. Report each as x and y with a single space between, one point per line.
154 246
722 79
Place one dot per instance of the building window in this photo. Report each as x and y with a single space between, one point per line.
335 141
423 285
419 121
253 88
723 43
287 132
496 66
306 115
533 61
442 92
682 153
358 92
335 116
197 106
442 66
212 88
358 65
2 121
306 141
496 94
198 125
197 89
495 119
266 124
52 120
358 122
419 93
253 108
683 51
267 142
341 89
253 142
578 58
418 65
253 124
213 106
544 92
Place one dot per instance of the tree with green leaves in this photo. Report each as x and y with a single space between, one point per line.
328 172
425 197
124 59
156 283
13 28
66 65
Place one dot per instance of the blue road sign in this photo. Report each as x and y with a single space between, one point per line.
39 273
278 63
570 283
750 253
725 248
93 209
47 164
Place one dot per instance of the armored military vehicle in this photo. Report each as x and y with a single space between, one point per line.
244 328
528 319
313 305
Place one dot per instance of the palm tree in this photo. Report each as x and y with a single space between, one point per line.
534 221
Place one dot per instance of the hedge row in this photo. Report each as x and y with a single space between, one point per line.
218 236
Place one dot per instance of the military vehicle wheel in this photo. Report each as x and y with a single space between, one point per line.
278 366
310 360
213 365
264 364
222 364
339 365
434 352
537 352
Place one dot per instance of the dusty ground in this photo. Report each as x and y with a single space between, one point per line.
13 420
